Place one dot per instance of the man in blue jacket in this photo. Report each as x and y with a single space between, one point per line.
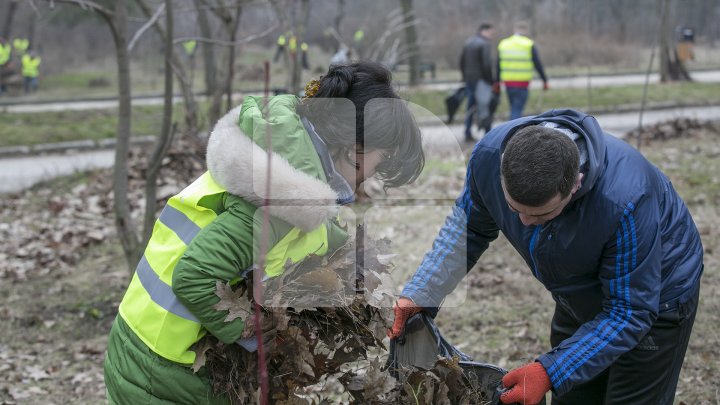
604 231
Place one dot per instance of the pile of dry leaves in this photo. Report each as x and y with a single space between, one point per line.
324 321
675 128
63 224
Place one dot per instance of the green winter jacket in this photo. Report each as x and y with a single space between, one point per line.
134 374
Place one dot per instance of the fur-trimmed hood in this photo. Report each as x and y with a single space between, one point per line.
239 165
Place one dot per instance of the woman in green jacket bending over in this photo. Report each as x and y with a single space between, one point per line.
350 126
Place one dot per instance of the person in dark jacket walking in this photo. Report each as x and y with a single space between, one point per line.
604 231
476 67
517 56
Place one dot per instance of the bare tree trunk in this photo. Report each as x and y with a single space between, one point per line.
671 67
296 83
166 133
9 14
411 39
223 14
279 7
208 61
664 41
191 109
337 23
231 57
125 228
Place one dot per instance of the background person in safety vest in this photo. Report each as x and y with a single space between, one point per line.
20 46
476 68
31 71
603 230
517 57
5 62
209 232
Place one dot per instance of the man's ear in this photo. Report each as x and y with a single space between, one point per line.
578 183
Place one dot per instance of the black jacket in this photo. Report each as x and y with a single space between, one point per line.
476 60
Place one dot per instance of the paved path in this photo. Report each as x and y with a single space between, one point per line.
18 173
595 81
563 82
442 136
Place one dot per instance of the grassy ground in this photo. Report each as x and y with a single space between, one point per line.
601 98
59 126
56 321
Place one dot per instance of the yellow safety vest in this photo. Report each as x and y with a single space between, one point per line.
515 55
359 35
5 51
292 43
304 47
30 66
281 40
189 46
21 45
150 307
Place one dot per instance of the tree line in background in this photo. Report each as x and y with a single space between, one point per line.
75 33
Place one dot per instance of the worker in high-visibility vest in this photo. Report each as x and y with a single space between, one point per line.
282 42
517 58
189 46
5 55
304 47
209 232
21 45
31 71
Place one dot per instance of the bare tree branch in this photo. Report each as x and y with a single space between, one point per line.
145 27
245 40
85 5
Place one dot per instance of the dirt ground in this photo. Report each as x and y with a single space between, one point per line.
56 317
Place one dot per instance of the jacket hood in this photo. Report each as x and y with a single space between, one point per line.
582 124
239 164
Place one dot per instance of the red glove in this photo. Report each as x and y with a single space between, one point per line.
529 384
404 309
545 86
496 87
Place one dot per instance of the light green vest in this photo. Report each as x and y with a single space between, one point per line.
189 46
150 307
5 51
21 45
30 66
515 55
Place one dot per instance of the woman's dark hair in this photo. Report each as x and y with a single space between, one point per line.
355 104
537 164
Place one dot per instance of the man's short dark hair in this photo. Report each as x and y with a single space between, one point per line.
485 26
537 164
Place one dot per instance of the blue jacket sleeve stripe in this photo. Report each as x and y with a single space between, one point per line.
445 247
439 254
621 302
580 345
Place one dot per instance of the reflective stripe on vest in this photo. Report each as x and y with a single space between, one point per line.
30 66
515 55
151 308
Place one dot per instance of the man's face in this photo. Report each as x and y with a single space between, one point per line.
539 215
488 33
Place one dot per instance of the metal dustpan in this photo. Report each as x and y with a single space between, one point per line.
421 344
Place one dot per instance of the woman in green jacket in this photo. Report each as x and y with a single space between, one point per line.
350 126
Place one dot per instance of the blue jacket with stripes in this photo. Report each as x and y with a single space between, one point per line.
625 245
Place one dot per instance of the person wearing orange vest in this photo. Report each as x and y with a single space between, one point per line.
517 57
31 71
209 232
